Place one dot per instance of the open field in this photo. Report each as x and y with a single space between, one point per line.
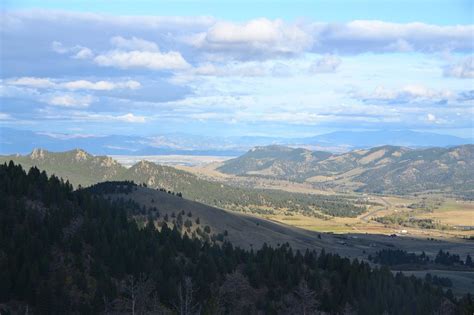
189 160
453 212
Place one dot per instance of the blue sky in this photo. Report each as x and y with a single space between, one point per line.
442 12
271 68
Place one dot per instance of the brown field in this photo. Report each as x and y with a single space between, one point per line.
453 212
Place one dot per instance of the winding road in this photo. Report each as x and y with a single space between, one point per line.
387 205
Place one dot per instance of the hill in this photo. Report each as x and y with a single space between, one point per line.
276 161
386 169
245 231
81 168
66 251
77 166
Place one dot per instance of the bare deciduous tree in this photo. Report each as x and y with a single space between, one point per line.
306 298
136 296
185 304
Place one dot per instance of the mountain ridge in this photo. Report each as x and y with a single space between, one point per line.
23 141
384 169
389 169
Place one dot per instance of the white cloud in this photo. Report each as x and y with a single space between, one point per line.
59 48
5 116
65 136
463 69
131 118
140 53
431 117
32 82
259 36
77 51
240 69
133 43
142 59
100 85
83 53
378 36
74 85
328 63
408 93
70 100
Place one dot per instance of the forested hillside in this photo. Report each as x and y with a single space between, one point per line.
65 251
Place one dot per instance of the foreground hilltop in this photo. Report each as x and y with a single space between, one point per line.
385 169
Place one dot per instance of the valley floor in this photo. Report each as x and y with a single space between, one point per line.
454 218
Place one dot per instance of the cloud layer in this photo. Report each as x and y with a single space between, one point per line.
202 74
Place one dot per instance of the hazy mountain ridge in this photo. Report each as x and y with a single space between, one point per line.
370 139
23 141
383 169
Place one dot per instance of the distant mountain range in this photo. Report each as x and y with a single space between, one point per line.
370 139
22 141
386 169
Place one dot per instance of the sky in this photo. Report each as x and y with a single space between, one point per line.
237 68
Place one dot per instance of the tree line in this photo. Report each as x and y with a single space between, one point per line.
392 257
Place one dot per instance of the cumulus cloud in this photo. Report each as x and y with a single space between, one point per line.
140 53
70 100
258 37
326 64
262 37
102 85
379 36
76 52
463 69
133 43
142 59
83 53
127 53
